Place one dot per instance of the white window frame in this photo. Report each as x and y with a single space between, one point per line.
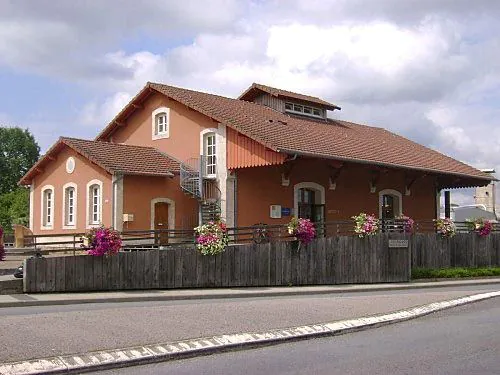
301 112
206 155
91 223
307 185
65 214
45 224
395 194
165 133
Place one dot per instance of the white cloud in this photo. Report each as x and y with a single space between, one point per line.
426 69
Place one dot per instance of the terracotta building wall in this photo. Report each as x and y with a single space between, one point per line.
55 174
258 188
139 191
184 134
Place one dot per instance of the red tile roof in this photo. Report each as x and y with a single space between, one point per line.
114 158
256 88
334 139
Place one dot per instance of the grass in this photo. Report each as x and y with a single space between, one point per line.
458 272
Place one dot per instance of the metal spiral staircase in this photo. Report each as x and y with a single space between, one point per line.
205 191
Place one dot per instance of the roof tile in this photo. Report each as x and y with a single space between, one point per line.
324 138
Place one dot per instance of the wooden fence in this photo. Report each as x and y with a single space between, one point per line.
462 250
334 260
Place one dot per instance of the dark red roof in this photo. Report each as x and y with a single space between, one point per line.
257 88
328 138
114 158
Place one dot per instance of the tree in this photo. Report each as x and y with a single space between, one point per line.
14 208
18 152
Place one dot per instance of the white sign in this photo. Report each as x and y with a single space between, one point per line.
398 243
275 211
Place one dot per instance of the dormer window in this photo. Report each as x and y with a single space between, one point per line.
303 110
161 123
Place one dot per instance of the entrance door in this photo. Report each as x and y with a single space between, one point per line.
161 223
308 209
388 207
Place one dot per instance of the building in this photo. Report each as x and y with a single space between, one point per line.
174 157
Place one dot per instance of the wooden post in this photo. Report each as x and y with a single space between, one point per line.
200 187
447 210
18 235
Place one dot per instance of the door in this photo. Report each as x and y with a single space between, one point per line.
161 223
308 209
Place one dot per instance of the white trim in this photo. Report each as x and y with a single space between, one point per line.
166 132
75 206
203 133
32 205
302 185
42 208
171 211
68 169
118 202
222 175
88 222
394 193
302 112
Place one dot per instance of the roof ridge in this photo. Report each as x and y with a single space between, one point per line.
278 89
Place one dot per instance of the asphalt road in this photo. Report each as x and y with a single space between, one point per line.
463 340
35 332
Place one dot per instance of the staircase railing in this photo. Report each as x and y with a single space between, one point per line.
190 177
207 193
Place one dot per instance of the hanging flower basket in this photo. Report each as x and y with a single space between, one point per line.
445 227
302 229
366 225
211 238
407 224
102 241
481 226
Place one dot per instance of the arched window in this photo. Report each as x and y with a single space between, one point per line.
309 201
161 123
94 202
47 207
69 206
390 204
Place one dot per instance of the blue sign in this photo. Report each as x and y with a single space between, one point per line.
285 211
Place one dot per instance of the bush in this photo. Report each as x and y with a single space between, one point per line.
457 272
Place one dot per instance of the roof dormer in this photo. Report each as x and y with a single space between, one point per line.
287 101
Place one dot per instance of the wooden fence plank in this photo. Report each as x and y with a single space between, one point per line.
97 273
338 260
60 273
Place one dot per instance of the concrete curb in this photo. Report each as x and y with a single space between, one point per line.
240 293
92 361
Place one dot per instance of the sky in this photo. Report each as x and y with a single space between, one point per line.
428 70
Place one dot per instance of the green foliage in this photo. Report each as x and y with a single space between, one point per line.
14 208
18 152
457 272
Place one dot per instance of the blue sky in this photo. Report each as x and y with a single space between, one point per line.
428 70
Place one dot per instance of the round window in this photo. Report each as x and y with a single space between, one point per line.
70 165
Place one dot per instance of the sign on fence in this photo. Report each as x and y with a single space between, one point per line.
398 244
